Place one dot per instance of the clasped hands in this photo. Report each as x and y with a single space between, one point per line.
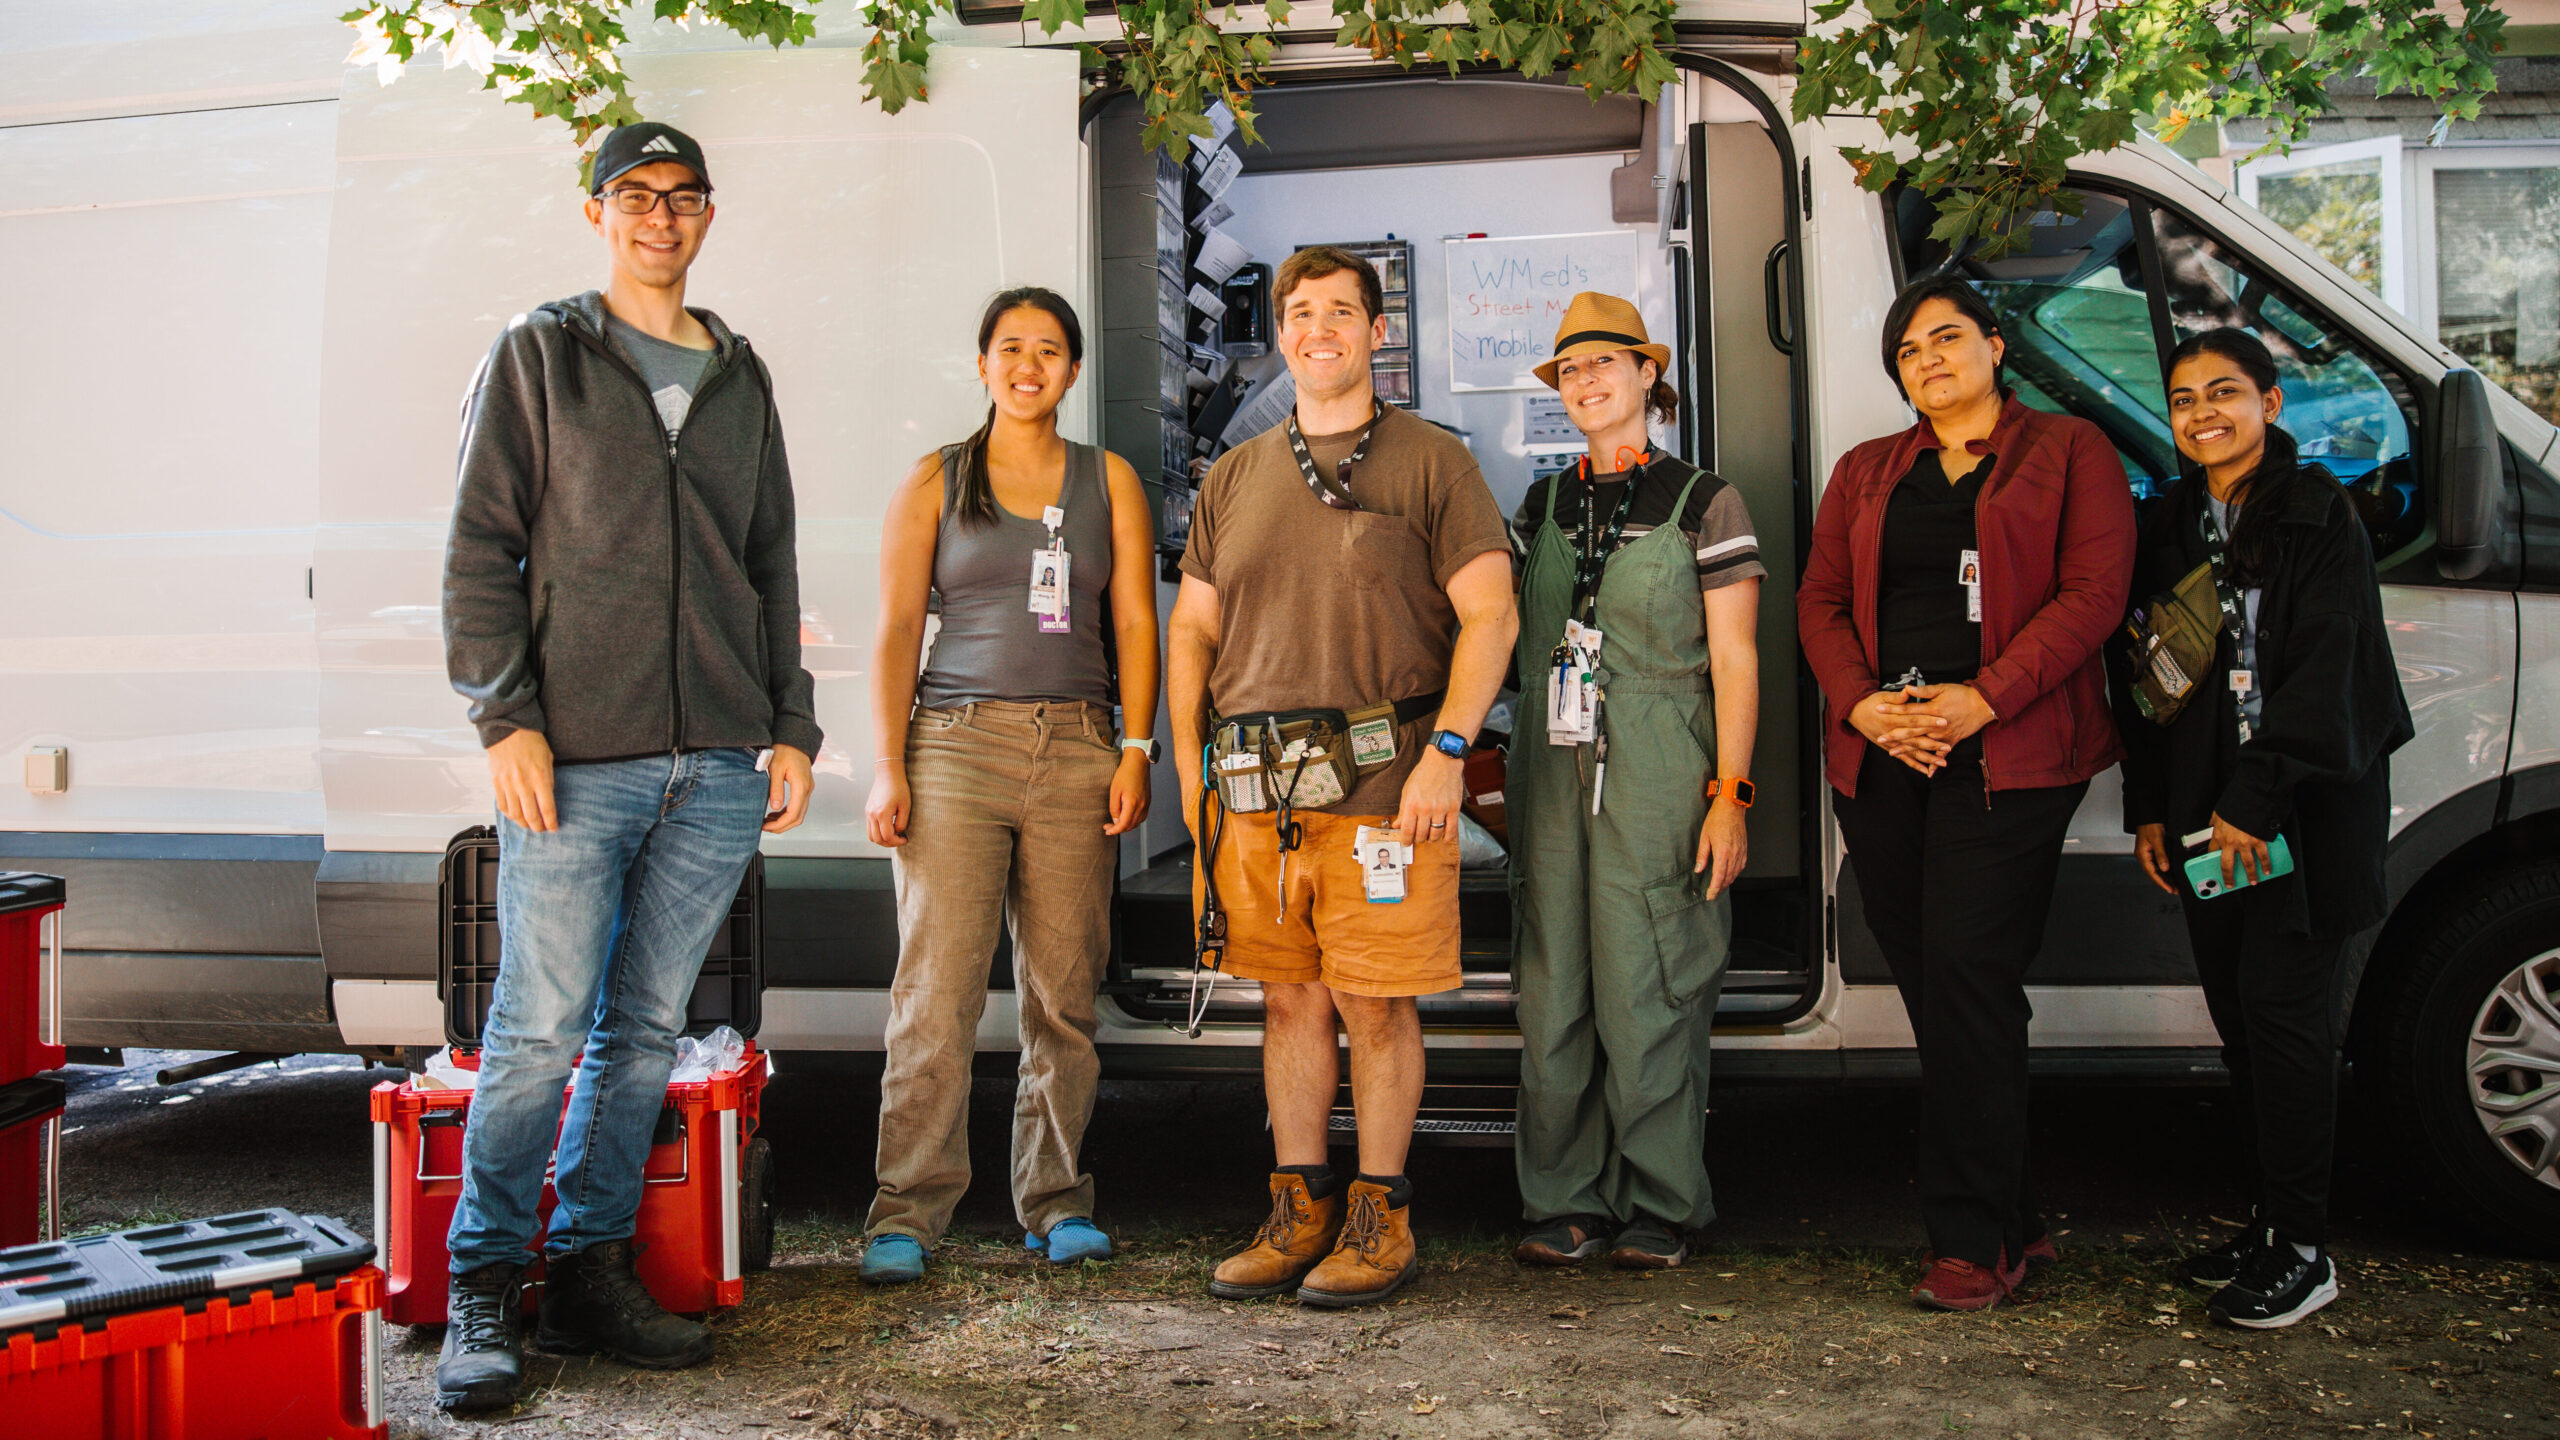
1920 724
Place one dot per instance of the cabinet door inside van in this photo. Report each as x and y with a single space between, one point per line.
852 248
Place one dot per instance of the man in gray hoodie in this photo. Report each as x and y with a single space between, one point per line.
622 609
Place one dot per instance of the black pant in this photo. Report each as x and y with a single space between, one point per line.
1957 882
2272 994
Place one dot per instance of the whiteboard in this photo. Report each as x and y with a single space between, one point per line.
1508 295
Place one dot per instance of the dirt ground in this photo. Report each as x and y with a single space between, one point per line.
1792 1320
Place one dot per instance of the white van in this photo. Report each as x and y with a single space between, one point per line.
249 286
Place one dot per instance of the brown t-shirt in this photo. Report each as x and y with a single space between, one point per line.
1337 609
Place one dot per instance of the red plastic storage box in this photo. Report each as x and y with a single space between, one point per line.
30 974
258 1326
30 1160
706 1198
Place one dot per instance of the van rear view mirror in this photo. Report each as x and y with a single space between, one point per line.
2467 476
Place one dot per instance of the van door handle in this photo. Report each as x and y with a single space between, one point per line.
1776 311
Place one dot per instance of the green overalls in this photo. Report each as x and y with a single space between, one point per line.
1617 954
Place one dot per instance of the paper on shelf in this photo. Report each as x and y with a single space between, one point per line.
1221 255
1266 405
1206 301
1220 172
1218 213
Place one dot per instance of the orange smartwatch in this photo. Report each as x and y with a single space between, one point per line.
1740 792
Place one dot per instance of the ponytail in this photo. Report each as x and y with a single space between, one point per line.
1662 402
976 502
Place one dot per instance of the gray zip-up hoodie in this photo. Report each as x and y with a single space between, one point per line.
619 593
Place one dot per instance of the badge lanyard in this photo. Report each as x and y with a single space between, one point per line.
1337 492
2235 614
1049 582
1575 697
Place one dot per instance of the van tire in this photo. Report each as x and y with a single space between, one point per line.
2478 939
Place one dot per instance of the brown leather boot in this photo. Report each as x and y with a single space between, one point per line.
1374 1258
1300 1231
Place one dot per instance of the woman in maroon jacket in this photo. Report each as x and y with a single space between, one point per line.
1964 574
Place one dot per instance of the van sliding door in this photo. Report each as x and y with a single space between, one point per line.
1728 219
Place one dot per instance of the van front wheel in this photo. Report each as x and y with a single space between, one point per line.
2474 1058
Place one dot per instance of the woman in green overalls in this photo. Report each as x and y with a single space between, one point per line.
1625 800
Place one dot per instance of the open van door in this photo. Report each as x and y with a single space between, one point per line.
1728 220
854 250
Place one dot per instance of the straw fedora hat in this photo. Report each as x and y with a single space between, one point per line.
1596 322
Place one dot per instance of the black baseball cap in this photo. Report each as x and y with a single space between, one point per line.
627 147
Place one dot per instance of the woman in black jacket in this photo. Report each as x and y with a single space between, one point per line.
2287 733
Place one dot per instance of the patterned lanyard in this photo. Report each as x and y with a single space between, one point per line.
1337 493
1591 561
2235 613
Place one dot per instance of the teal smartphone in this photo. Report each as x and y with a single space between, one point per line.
2204 871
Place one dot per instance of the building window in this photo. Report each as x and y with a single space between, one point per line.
2497 274
2334 209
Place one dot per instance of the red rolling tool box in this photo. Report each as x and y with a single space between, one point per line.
30 1159
30 974
258 1326
706 1201
706 1198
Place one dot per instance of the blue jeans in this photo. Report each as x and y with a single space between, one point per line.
602 925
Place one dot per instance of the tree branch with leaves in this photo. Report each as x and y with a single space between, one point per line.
1984 103
1180 57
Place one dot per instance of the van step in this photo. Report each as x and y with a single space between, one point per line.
1450 1115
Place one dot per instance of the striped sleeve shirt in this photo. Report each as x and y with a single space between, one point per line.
1716 523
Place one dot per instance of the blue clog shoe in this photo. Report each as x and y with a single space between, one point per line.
1069 1241
892 1259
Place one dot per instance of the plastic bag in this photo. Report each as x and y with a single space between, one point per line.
698 1060
1477 849
440 1073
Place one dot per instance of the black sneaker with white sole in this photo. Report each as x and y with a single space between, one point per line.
1565 1240
2219 1266
1649 1243
2275 1287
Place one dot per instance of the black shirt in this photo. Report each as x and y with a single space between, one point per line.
1923 618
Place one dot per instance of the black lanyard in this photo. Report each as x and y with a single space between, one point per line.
2235 611
1337 493
1591 561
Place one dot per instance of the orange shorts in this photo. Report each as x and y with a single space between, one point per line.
1326 928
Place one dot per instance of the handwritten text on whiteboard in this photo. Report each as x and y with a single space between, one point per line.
1506 297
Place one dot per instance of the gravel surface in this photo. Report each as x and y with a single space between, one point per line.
1793 1319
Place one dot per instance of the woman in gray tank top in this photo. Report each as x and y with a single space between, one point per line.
1002 784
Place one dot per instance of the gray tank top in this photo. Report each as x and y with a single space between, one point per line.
990 646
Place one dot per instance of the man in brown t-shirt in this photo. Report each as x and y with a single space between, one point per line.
1348 558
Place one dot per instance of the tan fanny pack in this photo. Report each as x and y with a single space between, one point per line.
1299 759
2171 640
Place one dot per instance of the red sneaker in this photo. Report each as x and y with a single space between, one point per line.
1960 1285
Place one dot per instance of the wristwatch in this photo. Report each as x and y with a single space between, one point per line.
1154 751
1740 792
1450 743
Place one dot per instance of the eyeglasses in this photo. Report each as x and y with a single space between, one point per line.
640 200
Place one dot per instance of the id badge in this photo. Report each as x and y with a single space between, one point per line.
1969 575
1383 857
1573 690
1049 582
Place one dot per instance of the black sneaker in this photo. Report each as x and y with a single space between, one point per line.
594 1304
2275 1287
1565 1240
2215 1268
482 1367
1649 1243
